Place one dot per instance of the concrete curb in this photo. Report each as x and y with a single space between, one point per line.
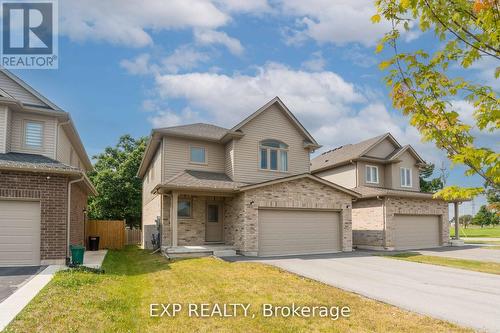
16 302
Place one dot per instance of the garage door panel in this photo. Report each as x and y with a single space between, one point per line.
20 233
283 232
416 232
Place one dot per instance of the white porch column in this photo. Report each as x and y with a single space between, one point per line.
173 217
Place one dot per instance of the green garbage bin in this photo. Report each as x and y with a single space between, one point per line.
77 252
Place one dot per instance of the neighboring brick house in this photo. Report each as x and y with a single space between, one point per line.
247 188
393 213
43 182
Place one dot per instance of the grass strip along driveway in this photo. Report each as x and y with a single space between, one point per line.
493 232
119 300
473 265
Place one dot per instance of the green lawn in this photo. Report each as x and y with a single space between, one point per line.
118 301
474 231
473 265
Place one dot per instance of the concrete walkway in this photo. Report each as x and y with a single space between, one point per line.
468 298
94 259
480 239
13 304
470 252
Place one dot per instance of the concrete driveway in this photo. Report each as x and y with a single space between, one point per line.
467 298
471 252
12 278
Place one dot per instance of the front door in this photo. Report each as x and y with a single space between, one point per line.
213 229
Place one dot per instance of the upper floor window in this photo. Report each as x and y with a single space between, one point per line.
273 155
198 155
405 177
33 134
371 172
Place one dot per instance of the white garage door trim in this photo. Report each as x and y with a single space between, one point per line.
416 231
274 240
20 223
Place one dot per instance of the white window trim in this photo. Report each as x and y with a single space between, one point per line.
206 155
411 177
269 158
366 178
25 122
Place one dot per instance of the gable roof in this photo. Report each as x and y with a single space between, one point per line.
300 176
197 130
276 100
210 132
400 151
200 180
15 88
349 152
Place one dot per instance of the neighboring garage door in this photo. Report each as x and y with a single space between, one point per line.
286 232
416 232
19 233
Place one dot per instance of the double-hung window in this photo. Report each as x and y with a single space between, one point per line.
273 155
371 174
184 208
33 134
405 177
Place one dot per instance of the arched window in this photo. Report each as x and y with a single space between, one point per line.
273 155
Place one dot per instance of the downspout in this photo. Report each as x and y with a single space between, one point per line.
68 225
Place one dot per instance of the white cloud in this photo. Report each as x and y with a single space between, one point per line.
167 118
359 57
209 37
254 6
140 65
335 111
339 22
316 63
184 57
128 22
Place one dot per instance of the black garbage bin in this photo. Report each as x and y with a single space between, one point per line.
93 243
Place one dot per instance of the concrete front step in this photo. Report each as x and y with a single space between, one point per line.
225 253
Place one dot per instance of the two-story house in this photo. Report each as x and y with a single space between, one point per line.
43 186
248 187
392 213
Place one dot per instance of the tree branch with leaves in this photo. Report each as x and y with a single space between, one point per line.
423 89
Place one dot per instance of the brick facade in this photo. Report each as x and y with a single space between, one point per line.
368 219
241 213
51 191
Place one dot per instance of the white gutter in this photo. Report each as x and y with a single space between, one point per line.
68 226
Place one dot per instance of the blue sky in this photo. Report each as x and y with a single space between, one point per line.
127 66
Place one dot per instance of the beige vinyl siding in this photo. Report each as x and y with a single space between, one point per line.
8 133
177 156
381 150
152 177
150 212
407 161
18 92
3 129
66 153
229 164
362 174
271 124
344 175
49 134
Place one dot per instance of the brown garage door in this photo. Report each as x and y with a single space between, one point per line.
19 233
287 232
416 232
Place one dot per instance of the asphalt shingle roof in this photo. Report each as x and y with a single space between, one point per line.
202 180
370 192
201 130
32 161
343 153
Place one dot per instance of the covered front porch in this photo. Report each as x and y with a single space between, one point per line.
196 215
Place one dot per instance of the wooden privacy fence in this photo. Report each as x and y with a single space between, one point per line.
111 233
133 236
